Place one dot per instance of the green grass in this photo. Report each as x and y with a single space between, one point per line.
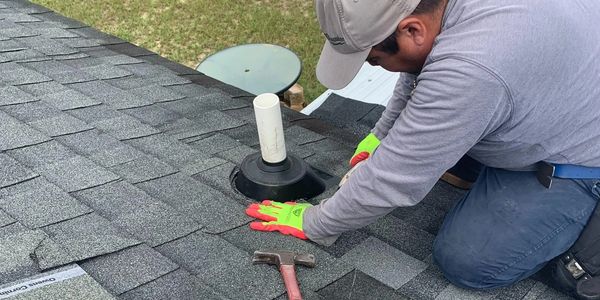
187 31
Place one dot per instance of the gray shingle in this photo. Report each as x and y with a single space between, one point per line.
333 162
215 144
13 74
452 292
76 288
190 90
4 59
157 93
202 165
102 148
89 236
10 46
55 33
79 42
76 173
536 291
327 270
106 71
120 59
67 57
168 149
45 204
27 253
95 88
197 106
69 99
5 219
31 111
357 286
427 285
167 80
82 62
384 262
218 178
443 196
90 142
346 242
411 240
306 295
153 115
247 134
12 228
105 39
16 134
95 113
42 154
129 82
127 269
16 30
26 55
237 154
60 21
18 17
128 207
72 77
422 215
208 122
303 152
176 285
300 135
30 8
115 156
49 67
516 291
214 260
147 70
125 127
43 88
60 125
12 95
143 169
47 46
213 210
12 172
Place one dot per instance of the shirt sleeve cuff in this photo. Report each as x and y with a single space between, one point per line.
313 230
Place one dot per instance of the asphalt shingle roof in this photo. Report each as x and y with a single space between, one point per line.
118 160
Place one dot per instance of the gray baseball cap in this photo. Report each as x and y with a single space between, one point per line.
352 28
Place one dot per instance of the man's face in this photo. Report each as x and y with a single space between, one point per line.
398 62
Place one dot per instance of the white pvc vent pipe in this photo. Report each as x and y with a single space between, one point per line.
270 128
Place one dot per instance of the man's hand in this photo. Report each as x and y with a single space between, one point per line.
365 149
283 217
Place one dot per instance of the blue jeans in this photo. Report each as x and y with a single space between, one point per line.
509 226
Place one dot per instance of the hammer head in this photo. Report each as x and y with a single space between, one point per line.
283 257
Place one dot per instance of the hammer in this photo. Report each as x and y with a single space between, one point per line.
286 261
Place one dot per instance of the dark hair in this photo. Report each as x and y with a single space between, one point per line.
389 45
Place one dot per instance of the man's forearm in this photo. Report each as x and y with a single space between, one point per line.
397 103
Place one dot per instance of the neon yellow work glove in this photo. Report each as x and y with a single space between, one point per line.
283 217
365 149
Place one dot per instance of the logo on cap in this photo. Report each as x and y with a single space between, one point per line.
335 40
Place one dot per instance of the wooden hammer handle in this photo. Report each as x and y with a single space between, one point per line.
291 284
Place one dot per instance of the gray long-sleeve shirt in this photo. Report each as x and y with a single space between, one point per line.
510 82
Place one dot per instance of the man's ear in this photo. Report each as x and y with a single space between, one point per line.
414 29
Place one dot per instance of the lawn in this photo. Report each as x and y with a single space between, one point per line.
187 31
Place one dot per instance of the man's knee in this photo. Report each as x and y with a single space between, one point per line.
468 269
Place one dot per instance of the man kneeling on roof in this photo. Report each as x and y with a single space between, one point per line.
514 84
